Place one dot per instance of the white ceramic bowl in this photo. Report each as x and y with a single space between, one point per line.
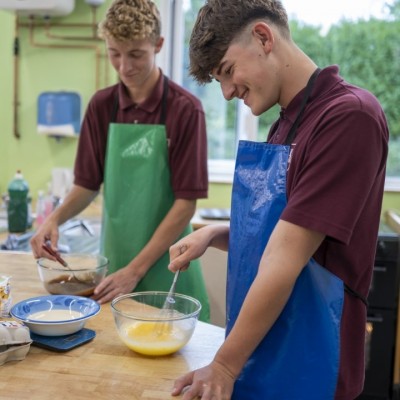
55 315
148 329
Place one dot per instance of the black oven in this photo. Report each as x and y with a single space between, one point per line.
382 321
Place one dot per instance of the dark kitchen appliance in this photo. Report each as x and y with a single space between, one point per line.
382 331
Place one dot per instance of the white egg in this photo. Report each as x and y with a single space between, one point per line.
22 334
5 335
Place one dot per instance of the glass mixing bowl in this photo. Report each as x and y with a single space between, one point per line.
83 274
146 327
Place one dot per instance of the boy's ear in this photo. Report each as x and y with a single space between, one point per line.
263 32
159 44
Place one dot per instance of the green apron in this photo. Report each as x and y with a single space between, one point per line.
137 197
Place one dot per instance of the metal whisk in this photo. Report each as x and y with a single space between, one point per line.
168 306
170 301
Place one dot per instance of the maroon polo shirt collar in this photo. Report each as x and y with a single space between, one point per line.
150 104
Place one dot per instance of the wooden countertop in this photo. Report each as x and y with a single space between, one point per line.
101 369
198 222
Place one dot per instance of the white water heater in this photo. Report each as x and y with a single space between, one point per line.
45 8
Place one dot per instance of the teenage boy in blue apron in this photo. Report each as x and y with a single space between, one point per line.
305 215
145 138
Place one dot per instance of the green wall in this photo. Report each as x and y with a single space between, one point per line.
50 69
219 195
391 201
41 70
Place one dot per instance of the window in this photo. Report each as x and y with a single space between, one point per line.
224 119
322 36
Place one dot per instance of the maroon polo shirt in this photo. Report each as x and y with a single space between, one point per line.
335 186
185 127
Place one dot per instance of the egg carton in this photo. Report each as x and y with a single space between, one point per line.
15 341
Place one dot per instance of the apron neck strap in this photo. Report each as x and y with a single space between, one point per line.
164 103
114 109
310 84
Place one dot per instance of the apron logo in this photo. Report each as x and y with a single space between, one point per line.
256 180
141 148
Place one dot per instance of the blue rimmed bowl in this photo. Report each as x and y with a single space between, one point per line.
55 315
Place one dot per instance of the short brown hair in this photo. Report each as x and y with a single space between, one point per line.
131 20
219 22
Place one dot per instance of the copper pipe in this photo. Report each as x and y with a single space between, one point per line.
92 25
16 79
31 26
63 37
50 35
58 25
106 70
66 46
94 20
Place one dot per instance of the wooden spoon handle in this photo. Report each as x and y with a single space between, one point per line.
55 255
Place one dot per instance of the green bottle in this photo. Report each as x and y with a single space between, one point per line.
17 208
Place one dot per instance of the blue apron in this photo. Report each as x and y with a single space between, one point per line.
298 359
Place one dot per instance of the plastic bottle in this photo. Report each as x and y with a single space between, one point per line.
18 204
48 202
40 208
